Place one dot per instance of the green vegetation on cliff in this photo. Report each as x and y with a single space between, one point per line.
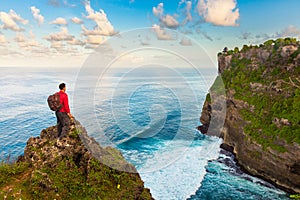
262 121
267 77
65 169
20 181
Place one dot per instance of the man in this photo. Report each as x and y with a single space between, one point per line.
63 115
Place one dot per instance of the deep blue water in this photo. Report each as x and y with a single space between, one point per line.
150 118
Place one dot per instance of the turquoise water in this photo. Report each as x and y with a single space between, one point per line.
150 119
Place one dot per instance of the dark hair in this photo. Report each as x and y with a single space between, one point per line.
62 86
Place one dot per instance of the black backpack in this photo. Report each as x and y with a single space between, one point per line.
54 102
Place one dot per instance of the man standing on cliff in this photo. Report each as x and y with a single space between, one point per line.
63 115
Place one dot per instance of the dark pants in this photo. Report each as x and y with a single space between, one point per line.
63 123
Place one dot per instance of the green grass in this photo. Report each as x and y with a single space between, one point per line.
14 181
7 171
68 181
75 133
295 196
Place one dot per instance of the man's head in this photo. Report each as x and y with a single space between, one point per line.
62 86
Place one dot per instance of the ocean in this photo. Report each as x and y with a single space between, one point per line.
149 114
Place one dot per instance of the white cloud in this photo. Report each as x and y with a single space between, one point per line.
166 20
95 39
87 32
91 46
2 39
59 21
60 48
63 35
181 2
29 44
169 21
24 43
75 41
4 52
58 3
245 36
290 31
104 27
63 43
36 14
31 35
198 30
54 3
17 17
161 34
33 43
19 38
63 48
58 45
76 20
219 12
41 52
188 14
186 42
159 10
10 20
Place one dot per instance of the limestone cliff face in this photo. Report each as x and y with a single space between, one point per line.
53 168
262 122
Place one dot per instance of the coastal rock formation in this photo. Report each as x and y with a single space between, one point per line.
54 168
262 123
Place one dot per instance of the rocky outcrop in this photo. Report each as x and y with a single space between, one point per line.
66 169
223 62
48 150
282 169
262 122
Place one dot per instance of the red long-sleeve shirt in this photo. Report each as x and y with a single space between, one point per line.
64 102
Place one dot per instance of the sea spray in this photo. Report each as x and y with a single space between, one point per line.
181 178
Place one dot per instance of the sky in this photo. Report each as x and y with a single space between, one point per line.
63 33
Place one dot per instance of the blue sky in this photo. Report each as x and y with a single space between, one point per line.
65 32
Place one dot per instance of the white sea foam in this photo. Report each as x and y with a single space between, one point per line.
181 178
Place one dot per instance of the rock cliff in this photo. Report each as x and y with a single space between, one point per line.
262 122
53 168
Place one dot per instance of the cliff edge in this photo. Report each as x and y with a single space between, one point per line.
262 122
53 168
